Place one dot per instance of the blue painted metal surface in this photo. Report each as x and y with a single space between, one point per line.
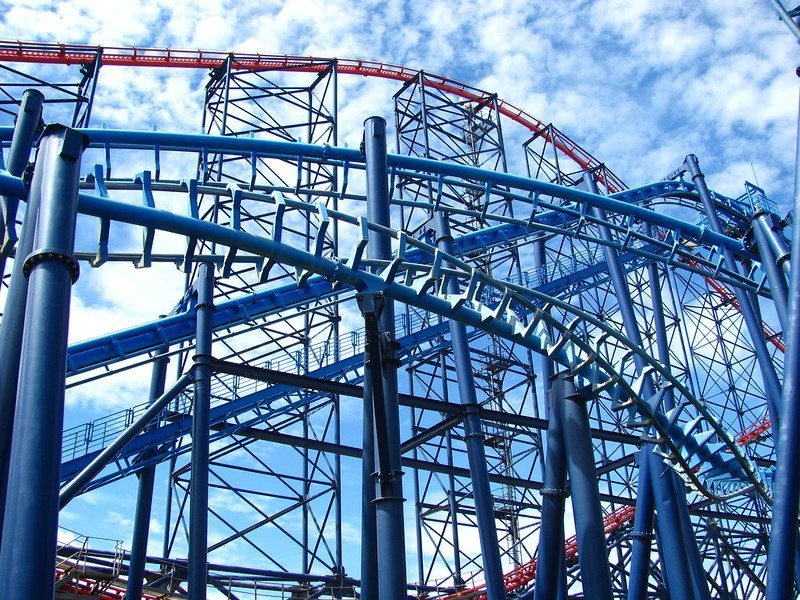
144 497
783 535
380 353
474 435
198 508
11 327
27 555
484 312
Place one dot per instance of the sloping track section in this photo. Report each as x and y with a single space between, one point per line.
561 347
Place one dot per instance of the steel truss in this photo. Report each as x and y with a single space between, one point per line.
561 345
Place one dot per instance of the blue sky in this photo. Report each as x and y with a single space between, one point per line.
640 84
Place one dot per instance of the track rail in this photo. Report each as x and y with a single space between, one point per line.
127 56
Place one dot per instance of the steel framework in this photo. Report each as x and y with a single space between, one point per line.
388 375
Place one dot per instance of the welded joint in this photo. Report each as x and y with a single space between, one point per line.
44 255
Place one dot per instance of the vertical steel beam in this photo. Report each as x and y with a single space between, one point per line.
144 497
451 480
25 128
369 533
765 225
558 473
679 547
754 326
198 505
773 256
27 556
389 498
783 535
550 566
589 531
14 312
642 533
476 454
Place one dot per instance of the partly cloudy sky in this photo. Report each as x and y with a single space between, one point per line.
638 83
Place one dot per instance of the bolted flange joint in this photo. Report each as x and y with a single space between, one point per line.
51 255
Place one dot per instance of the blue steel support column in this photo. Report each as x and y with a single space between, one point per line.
458 578
753 323
765 225
783 534
551 574
768 243
198 506
679 546
642 533
144 498
589 531
369 531
476 454
27 556
28 119
550 565
14 312
389 499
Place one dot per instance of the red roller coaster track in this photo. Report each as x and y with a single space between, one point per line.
76 54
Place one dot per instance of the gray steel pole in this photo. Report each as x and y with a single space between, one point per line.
27 556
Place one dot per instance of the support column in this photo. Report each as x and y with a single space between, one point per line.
774 256
783 534
589 531
25 128
369 532
27 556
458 578
198 505
144 498
476 454
379 321
679 548
642 533
550 565
555 476
752 322
14 312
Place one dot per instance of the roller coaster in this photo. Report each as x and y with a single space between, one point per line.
407 374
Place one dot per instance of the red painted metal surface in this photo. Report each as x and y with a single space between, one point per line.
76 54
96 588
522 576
